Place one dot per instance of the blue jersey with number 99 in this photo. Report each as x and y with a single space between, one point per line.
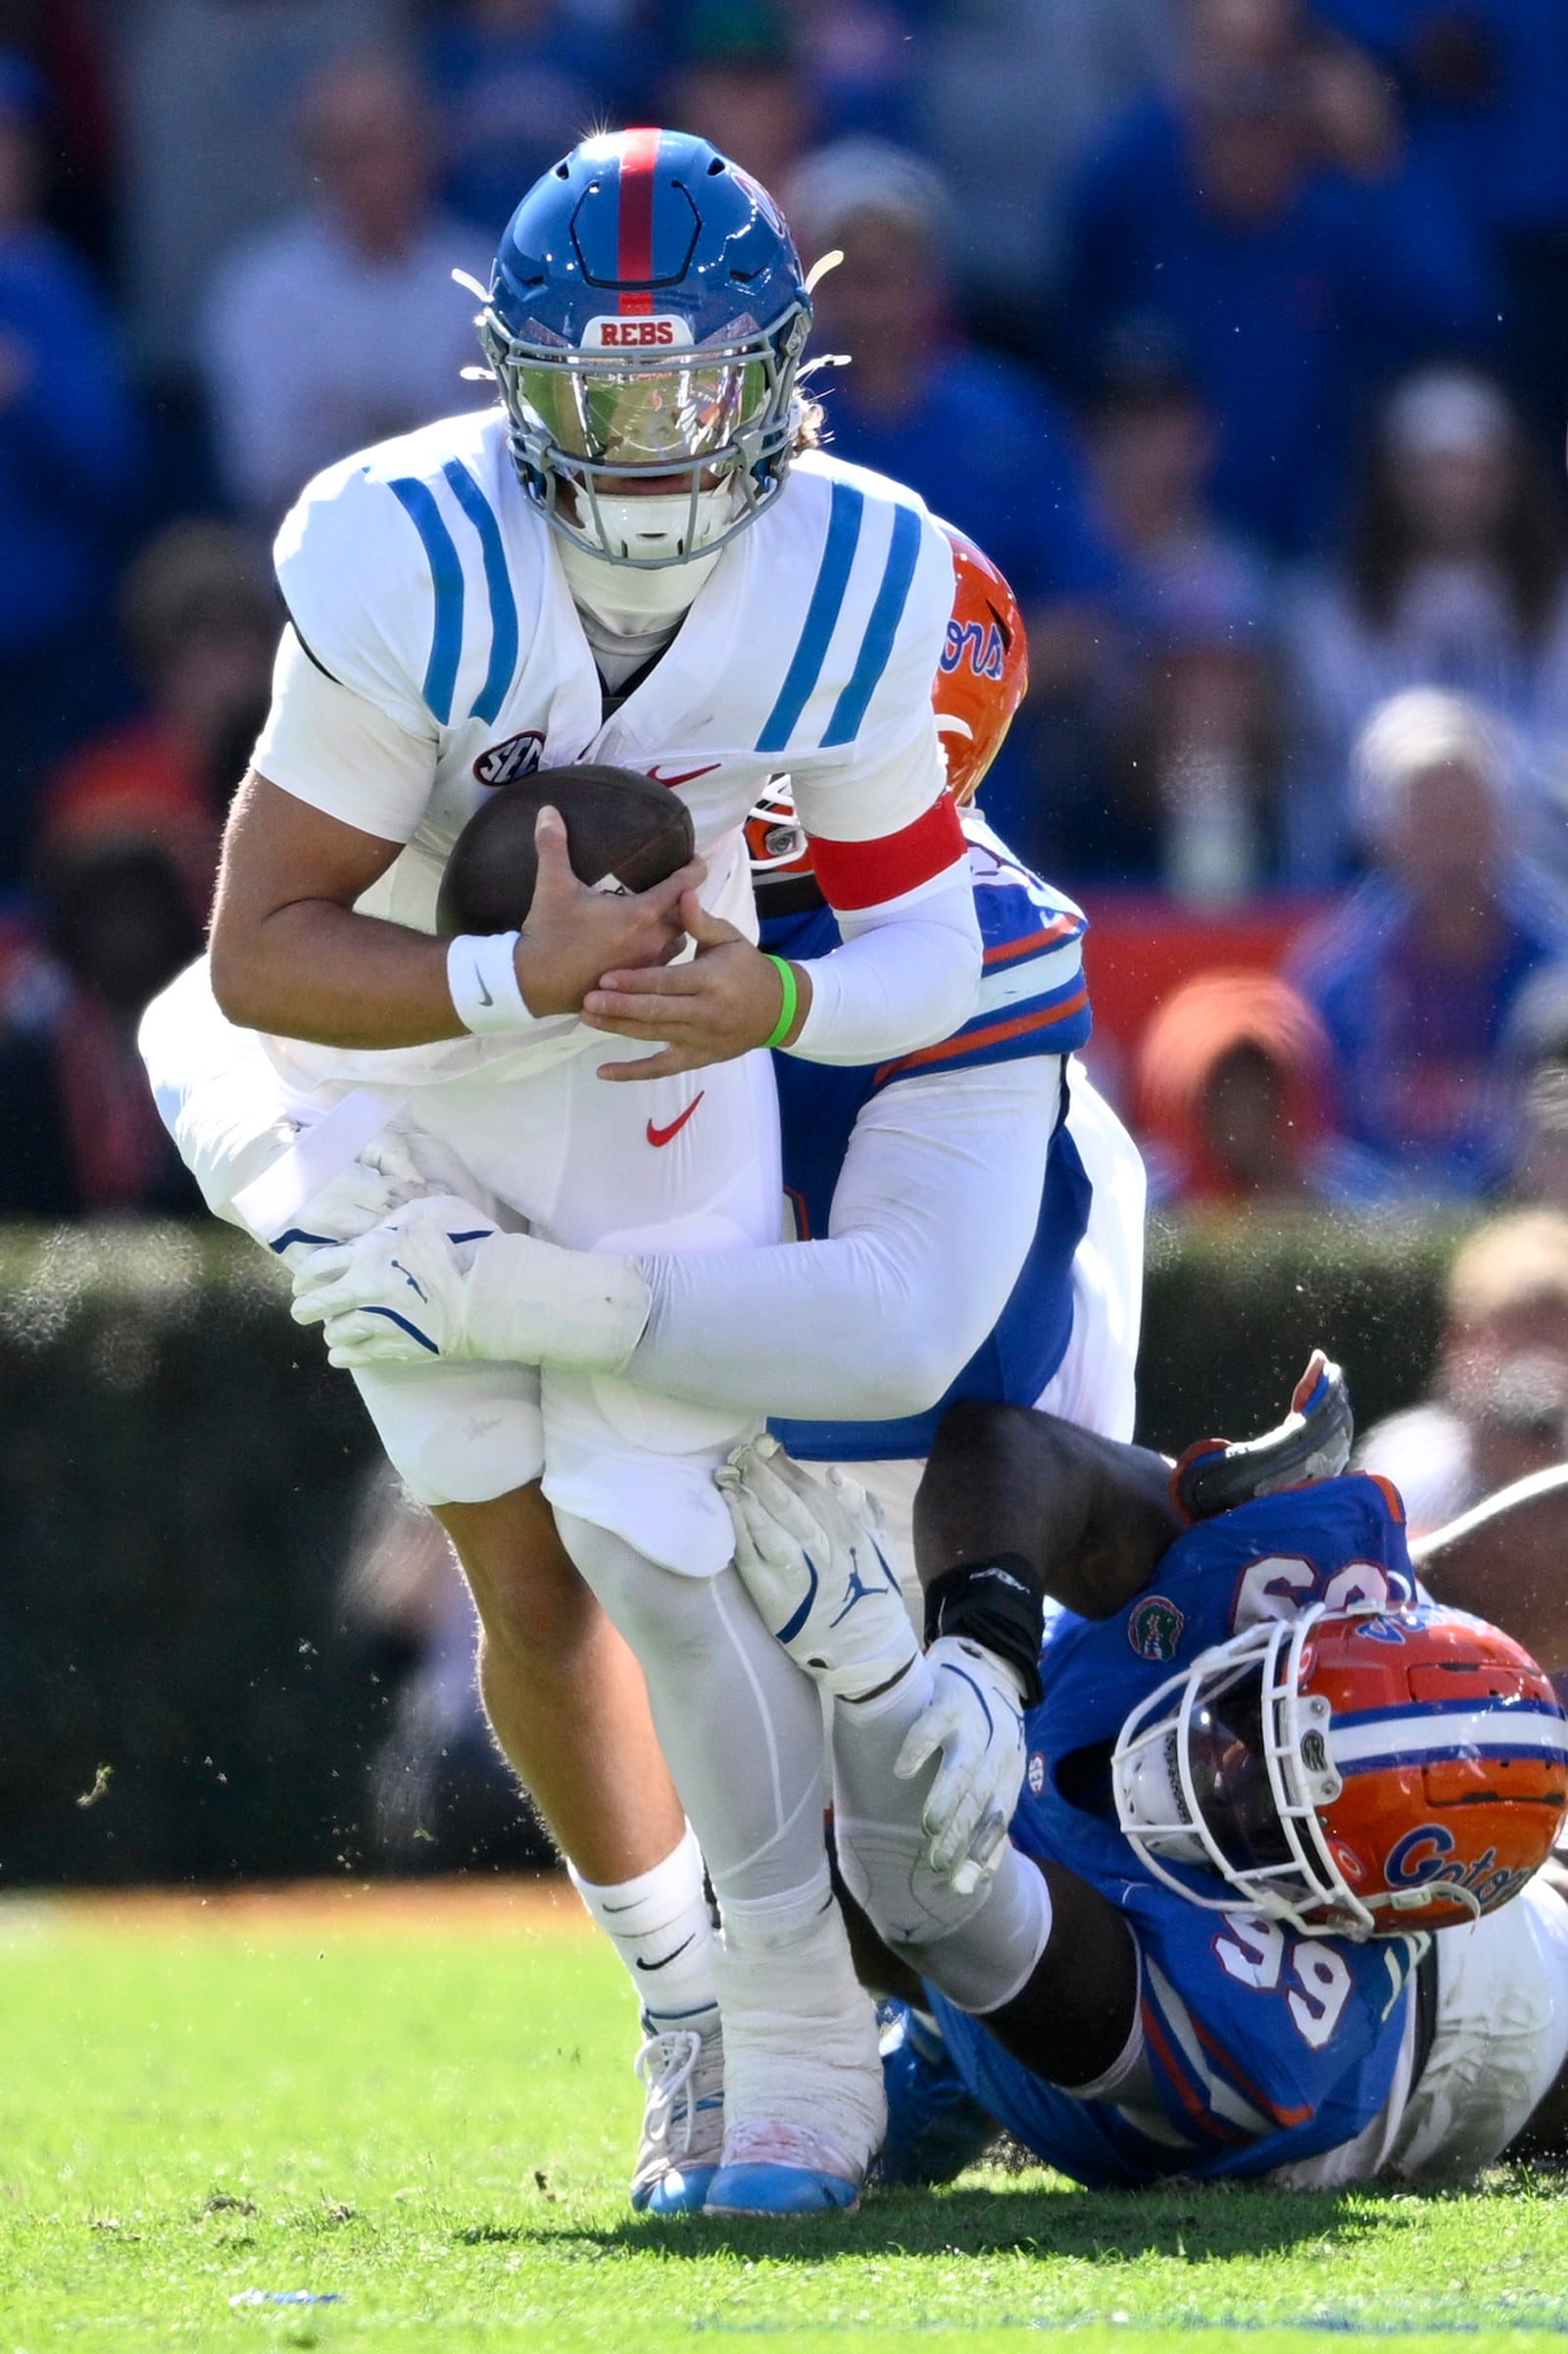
1260 2048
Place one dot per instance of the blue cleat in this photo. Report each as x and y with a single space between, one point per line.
936 2126
774 2169
678 2191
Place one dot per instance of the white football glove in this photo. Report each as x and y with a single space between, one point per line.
438 1280
397 1294
975 1719
815 1557
367 1192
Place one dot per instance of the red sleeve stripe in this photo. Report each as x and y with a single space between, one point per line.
1391 1496
967 1042
863 875
1008 952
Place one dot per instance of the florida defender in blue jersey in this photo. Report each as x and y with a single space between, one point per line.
1248 1921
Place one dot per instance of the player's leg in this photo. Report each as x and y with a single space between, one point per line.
742 1730
1546 2133
1504 1560
568 1707
563 1694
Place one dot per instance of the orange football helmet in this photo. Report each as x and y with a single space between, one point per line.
984 670
1361 1773
980 682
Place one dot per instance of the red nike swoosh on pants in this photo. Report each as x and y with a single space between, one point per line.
661 1136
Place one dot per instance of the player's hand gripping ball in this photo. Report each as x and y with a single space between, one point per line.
623 834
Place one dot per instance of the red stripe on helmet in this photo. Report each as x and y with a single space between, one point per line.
634 245
862 874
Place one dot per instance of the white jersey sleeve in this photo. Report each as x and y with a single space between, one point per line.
853 722
357 579
932 1219
332 747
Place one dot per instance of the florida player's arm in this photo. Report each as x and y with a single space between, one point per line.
933 1216
1082 1520
1074 2018
1504 1560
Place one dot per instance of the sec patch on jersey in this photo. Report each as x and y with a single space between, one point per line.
624 833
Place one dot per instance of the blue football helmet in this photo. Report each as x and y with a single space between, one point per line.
645 320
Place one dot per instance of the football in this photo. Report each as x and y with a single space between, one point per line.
624 833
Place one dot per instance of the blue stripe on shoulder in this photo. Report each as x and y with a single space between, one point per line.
446 572
846 508
503 605
876 646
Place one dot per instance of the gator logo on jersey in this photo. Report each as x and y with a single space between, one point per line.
978 644
1155 1626
663 332
1037 1772
503 764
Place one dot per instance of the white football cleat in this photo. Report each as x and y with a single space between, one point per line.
805 2108
683 2119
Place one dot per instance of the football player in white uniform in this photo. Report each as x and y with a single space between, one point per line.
975 1223
638 560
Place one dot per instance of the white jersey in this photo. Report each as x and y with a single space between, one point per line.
420 577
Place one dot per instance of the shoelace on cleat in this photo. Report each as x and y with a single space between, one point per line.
665 2065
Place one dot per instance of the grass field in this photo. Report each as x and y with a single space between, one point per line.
421 2107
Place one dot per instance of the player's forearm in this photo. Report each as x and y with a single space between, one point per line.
933 1216
318 971
1087 1517
904 977
756 1334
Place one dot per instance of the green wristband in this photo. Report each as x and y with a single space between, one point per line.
792 998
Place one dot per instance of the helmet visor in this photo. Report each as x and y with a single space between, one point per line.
667 416
1229 1768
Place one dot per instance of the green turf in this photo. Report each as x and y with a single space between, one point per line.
434 2132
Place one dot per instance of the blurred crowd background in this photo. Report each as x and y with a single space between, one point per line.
1234 330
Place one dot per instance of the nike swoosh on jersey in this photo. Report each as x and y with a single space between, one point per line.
486 999
661 1136
684 775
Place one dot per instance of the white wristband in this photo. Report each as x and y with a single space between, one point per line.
482 981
